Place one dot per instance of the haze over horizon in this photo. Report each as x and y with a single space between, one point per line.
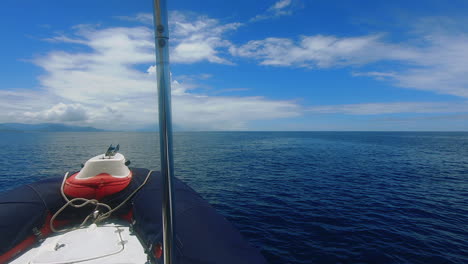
269 65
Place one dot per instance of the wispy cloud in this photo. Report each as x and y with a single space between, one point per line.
280 8
318 51
377 75
391 108
145 18
229 113
445 117
440 66
438 63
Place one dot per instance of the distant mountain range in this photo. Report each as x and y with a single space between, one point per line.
46 127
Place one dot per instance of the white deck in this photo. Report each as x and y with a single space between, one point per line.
107 243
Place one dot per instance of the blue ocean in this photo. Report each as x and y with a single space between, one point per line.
301 197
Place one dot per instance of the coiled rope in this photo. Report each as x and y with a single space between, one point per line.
98 217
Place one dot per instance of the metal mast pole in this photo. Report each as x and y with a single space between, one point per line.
165 126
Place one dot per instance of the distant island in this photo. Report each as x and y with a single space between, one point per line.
46 127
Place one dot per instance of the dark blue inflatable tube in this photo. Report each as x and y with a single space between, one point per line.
202 235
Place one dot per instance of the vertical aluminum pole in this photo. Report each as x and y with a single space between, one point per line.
165 126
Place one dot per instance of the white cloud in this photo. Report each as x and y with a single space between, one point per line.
229 113
14 103
105 73
279 8
26 106
113 83
60 113
194 38
151 69
199 38
391 108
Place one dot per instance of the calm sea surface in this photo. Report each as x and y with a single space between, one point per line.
302 197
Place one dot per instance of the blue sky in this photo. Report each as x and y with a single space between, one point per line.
239 65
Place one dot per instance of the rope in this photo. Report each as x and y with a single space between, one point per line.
97 219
